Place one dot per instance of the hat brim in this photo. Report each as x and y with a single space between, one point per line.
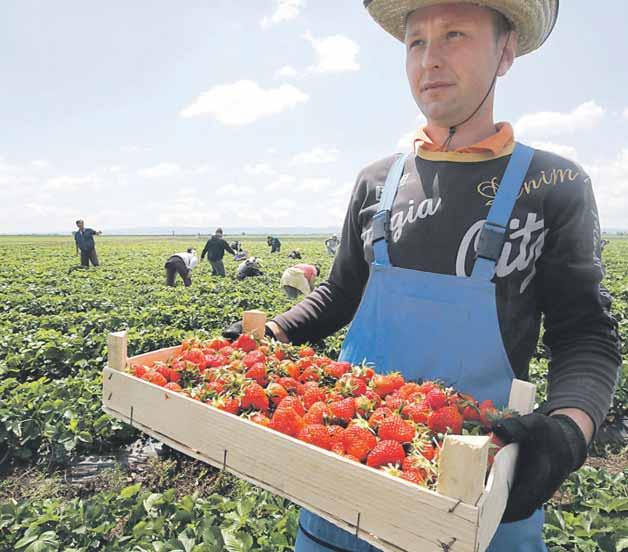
533 20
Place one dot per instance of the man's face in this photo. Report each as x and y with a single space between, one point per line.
80 224
451 57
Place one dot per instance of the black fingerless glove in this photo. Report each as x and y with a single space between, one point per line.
550 448
235 330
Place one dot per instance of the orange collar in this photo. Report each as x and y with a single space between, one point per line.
493 145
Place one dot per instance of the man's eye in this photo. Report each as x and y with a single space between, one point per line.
454 34
418 42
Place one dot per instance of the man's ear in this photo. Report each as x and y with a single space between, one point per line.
508 57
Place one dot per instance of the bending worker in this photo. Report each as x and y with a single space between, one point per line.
446 279
299 279
181 264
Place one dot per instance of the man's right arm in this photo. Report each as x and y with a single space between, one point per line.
204 250
228 247
333 304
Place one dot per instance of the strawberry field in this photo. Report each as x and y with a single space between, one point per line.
54 320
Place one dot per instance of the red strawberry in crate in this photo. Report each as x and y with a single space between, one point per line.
436 398
276 392
350 386
292 402
386 384
306 352
417 412
227 404
257 372
358 440
315 434
379 415
384 453
172 386
286 420
343 410
311 373
138 370
313 394
155 377
317 413
255 397
245 343
253 357
217 343
414 476
409 389
260 419
487 410
336 369
395 402
446 419
395 428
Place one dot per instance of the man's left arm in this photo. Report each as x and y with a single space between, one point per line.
583 341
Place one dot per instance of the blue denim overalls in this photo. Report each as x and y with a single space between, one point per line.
435 326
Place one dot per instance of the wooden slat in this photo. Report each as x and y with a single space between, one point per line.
404 516
492 504
116 350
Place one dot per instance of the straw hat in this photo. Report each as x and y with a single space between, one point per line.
532 19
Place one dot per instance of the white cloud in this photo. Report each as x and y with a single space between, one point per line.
284 182
285 10
260 169
610 182
335 54
316 156
626 114
287 71
244 102
310 185
71 183
560 149
545 123
233 190
202 169
41 164
162 170
133 148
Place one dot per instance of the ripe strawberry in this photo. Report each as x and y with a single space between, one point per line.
385 452
276 392
409 389
379 415
350 386
344 410
257 372
414 476
292 402
289 384
173 386
196 356
228 404
395 428
307 352
292 369
358 441
311 373
427 386
436 398
155 377
336 369
364 372
226 351
245 343
317 413
471 413
255 397
395 403
487 409
316 434
446 419
253 357
214 361
367 403
215 387
138 370
260 418
286 420
335 434
218 343
279 354
386 384
494 446
313 394
417 412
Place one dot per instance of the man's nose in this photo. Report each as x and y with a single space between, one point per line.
432 57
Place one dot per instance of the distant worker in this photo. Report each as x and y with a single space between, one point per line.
274 244
250 267
215 249
241 255
294 254
299 279
236 246
181 264
84 240
332 244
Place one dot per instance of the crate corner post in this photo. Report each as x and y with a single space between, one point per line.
254 323
117 350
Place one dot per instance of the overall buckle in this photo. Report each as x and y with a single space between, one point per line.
491 241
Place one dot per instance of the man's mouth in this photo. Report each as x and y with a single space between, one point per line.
435 85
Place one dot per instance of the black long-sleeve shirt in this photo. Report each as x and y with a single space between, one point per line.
550 264
215 249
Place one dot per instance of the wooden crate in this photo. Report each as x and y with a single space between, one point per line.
390 513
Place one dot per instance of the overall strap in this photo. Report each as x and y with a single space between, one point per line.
493 234
381 219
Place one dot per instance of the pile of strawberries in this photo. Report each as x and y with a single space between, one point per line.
380 420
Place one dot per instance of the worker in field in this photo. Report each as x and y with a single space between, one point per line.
448 263
274 244
295 254
249 268
332 244
215 250
181 264
85 245
299 279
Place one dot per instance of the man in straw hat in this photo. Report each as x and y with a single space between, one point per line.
451 256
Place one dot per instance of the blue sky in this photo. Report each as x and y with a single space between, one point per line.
259 112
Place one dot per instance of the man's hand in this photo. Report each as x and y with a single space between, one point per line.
550 448
235 330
